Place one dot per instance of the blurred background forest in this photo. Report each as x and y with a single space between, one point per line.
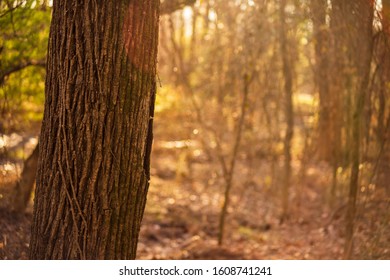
271 129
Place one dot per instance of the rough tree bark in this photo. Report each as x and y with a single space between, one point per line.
26 188
95 142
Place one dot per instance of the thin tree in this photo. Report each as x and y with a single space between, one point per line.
93 168
321 47
329 56
287 68
229 169
360 15
25 185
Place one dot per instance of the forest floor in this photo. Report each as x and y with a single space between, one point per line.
182 214
182 217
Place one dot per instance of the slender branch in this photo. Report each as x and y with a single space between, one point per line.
170 6
19 67
10 9
229 180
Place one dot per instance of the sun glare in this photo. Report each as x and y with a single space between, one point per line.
212 15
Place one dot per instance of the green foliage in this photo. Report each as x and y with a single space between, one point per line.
24 30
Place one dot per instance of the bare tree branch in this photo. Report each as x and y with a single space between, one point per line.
15 68
10 8
170 6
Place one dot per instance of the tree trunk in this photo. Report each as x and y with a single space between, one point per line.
337 88
329 102
289 109
360 46
95 142
322 49
383 126
229 173
25 185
